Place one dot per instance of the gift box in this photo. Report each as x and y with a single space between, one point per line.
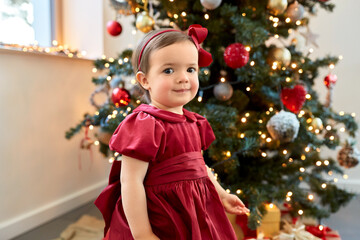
270 223
295 232
323 232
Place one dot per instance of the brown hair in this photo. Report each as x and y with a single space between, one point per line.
162 40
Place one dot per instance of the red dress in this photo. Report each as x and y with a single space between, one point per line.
182 201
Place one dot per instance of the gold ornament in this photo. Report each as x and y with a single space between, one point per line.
144 22
279 56
277 7
317 124
122 7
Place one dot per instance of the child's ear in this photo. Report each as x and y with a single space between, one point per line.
141 78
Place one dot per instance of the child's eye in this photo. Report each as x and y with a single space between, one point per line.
191 70
168 71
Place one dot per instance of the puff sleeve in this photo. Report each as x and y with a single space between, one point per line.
206 133
138 136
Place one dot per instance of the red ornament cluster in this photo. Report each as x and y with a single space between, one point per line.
120 97
113 28
293 98
236 55
330 80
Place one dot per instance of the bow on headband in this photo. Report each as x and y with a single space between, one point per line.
198 35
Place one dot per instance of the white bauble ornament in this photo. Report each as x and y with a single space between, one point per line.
223 91
210 4
283 126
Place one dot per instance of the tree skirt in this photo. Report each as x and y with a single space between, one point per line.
86 228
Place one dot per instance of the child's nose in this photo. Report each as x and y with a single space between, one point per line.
184 77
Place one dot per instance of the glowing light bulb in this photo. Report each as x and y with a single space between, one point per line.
300 212
228 191
287 20
206 16
263 154
243 120
228 154
94 70
311 197
302 169
289 194
323 185
238 191
252 63
326 162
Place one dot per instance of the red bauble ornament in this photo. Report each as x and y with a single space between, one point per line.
330 80
236 56
120 97
114 28
293 98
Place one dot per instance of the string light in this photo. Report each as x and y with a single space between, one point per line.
242 135
308 96
311 50
289 194
345 176
206 16
91 127
107 65
183 14
260 121
341 57
126 59
248 89
318 163
228 154
288 79
307 149
285 152
108 78
331 66
341 113
276 36
176 16
111 59
298 22
311 197
300 212
111 160
268 140
248 48
252 63
323 185
342 129
328 127
330 173
263 154
116 154
228 191
287 20
302 169
238 191
94 70
303 157
222 79
120 61
96 143
353 114
326 162
293 65
336 180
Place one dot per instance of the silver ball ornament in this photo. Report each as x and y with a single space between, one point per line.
295 11
223 91
210 4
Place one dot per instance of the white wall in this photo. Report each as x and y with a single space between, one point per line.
339 35
41 97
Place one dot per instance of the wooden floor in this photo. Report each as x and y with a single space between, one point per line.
346 221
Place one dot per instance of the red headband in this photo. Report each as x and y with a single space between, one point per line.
198 35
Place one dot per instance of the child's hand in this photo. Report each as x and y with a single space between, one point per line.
233 204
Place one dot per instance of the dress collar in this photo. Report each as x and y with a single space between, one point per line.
166 115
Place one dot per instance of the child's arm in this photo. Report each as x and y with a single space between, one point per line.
132 176
231 202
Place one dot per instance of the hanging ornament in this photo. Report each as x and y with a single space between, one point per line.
317 124
293 98
236 56
329 82
120 97
348 156
310 37
295 12
122 7
144 22
113 28
279 56
277 7
102 89
284 126
223 91
210 4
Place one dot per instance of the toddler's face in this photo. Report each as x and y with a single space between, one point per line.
172 79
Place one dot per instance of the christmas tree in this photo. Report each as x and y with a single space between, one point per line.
257 94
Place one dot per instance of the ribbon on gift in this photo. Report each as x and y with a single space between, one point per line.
286 210
323 232
295 233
